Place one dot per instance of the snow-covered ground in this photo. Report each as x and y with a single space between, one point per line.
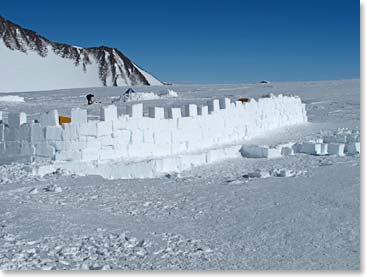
11 98
296 212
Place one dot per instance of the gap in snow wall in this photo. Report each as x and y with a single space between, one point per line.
132 145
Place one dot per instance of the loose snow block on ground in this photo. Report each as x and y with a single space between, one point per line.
283 173
259 174
353 148
336 149
312 148
260 151
273 153
287 150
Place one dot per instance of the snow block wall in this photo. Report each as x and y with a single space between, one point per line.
133 138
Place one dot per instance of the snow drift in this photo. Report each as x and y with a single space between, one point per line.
12 98
32 62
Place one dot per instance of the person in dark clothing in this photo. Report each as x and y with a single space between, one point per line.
91 99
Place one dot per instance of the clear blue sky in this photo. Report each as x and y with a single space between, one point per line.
205 41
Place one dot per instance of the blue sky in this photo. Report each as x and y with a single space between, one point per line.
205 41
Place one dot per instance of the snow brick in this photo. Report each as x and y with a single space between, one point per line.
79 116
224 103
203 110
156 112
109 113
213 105
353 148
136 110
336 149
191 110
15 120
174 113
50 118
53 132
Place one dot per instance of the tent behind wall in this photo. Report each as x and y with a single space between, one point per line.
127 94
129 91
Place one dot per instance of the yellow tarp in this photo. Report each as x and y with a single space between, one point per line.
244 99
64 119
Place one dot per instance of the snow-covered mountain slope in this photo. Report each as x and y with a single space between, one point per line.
32 62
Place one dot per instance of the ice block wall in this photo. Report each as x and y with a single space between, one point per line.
134 137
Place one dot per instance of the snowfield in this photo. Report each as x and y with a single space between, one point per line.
297 211
11 98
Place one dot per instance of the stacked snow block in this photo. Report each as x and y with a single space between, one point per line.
163 133
26 142
338 144
286 149
313 148
260 151
336 149
343 143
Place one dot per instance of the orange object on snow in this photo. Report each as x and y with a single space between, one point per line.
243 100
64 119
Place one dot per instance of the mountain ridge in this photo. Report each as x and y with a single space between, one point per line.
114 68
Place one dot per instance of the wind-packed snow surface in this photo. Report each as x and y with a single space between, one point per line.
296 210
